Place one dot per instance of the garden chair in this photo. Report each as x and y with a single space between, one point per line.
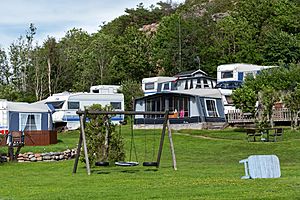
261 166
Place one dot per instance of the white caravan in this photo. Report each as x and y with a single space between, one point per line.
64 106
153 85
238 71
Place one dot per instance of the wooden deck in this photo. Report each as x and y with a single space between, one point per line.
236 116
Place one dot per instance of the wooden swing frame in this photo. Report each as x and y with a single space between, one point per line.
82 138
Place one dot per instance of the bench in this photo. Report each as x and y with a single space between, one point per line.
252 133
278 133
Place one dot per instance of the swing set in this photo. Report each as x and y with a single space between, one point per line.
82 139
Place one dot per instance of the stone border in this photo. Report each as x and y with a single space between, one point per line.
45 157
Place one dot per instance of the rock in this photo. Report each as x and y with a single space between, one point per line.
46 157
33 159
37 155
39 158
61 157
30 156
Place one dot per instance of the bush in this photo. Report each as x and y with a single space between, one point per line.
104 144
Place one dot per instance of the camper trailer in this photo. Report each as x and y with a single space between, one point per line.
20 116
153 85
64 106
237 72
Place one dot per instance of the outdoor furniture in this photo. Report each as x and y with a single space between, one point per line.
252 133
264 134
278 133
261 166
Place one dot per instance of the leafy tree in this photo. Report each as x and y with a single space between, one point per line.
5 73
245 99
131 90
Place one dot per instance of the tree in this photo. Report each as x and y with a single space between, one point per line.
5 73
131 90
103 141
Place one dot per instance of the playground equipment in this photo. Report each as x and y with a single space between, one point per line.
82 138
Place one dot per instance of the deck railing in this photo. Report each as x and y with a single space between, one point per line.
237 116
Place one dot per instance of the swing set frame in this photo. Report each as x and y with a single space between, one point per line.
82 138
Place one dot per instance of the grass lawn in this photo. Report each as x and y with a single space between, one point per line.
208 168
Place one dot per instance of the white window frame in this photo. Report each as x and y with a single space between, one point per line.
216 107
22 124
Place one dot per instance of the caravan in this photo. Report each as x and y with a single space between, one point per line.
238 71
64 105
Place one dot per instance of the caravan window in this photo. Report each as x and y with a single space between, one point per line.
56 104
211 108
149 86
30 121
73 105
116 105
166 86
227 74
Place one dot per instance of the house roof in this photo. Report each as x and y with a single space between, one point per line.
191 73
209 93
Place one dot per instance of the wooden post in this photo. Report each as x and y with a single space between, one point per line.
78 151
87 162
171 145
163 133
105 150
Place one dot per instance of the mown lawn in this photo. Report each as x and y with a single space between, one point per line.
208 168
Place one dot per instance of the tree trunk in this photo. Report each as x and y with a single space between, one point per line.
49 76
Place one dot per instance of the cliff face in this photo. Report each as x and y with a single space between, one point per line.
214 9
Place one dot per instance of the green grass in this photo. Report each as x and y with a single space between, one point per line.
208 168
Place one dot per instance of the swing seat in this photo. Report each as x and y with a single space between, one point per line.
150 164
126 164
101 163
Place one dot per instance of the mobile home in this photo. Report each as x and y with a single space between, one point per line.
238 71
194 108
64 106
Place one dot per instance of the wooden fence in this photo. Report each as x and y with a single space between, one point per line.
37 138
236 116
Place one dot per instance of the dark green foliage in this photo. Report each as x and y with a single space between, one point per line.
131 90
97 129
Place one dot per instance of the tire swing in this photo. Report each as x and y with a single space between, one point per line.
132 146
150 163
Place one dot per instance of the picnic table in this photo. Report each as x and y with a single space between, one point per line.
264 135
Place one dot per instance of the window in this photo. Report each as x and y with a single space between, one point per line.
191 84
149 86
30 121
186 86
211 108
56 104
166 86
116 105
227 74
73 105
229 99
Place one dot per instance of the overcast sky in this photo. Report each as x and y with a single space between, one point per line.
56 17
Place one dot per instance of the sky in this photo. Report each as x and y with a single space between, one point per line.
56 17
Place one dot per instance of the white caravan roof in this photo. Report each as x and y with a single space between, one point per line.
105 89
241 67
22 106
81 96
159 79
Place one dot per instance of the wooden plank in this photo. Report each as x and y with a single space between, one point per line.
163 133
171 146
